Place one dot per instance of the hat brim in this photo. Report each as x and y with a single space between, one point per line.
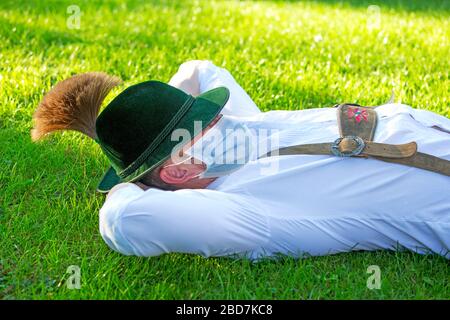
205 108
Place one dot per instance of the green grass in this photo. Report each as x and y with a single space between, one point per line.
48 208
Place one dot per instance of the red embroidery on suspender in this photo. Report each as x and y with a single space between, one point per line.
357 113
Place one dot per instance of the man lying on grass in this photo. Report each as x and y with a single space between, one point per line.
197 168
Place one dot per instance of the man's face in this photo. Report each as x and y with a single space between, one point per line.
184 173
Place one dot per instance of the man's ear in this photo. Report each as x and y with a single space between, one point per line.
176 174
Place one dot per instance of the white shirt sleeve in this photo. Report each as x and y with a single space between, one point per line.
203 75
204 222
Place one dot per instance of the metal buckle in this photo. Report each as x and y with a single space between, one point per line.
335 147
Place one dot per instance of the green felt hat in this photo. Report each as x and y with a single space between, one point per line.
134 130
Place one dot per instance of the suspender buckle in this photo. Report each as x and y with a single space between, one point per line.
336 150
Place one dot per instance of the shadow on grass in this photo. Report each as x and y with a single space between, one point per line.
398 5
92 4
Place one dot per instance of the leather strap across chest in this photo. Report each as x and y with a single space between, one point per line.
357 126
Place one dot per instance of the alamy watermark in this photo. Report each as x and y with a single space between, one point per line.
373 17
74 280
231 144
74 18
374 280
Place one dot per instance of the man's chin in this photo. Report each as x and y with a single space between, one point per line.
197 183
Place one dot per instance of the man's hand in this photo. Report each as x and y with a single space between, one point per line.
188 79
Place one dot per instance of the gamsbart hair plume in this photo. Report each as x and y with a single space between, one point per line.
73 104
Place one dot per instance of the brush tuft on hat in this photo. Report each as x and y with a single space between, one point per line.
73 104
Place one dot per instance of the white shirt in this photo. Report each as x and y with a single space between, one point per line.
313 205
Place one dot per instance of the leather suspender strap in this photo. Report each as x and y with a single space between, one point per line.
346 146
357 126
423 161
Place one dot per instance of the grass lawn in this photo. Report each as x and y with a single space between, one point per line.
293 55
